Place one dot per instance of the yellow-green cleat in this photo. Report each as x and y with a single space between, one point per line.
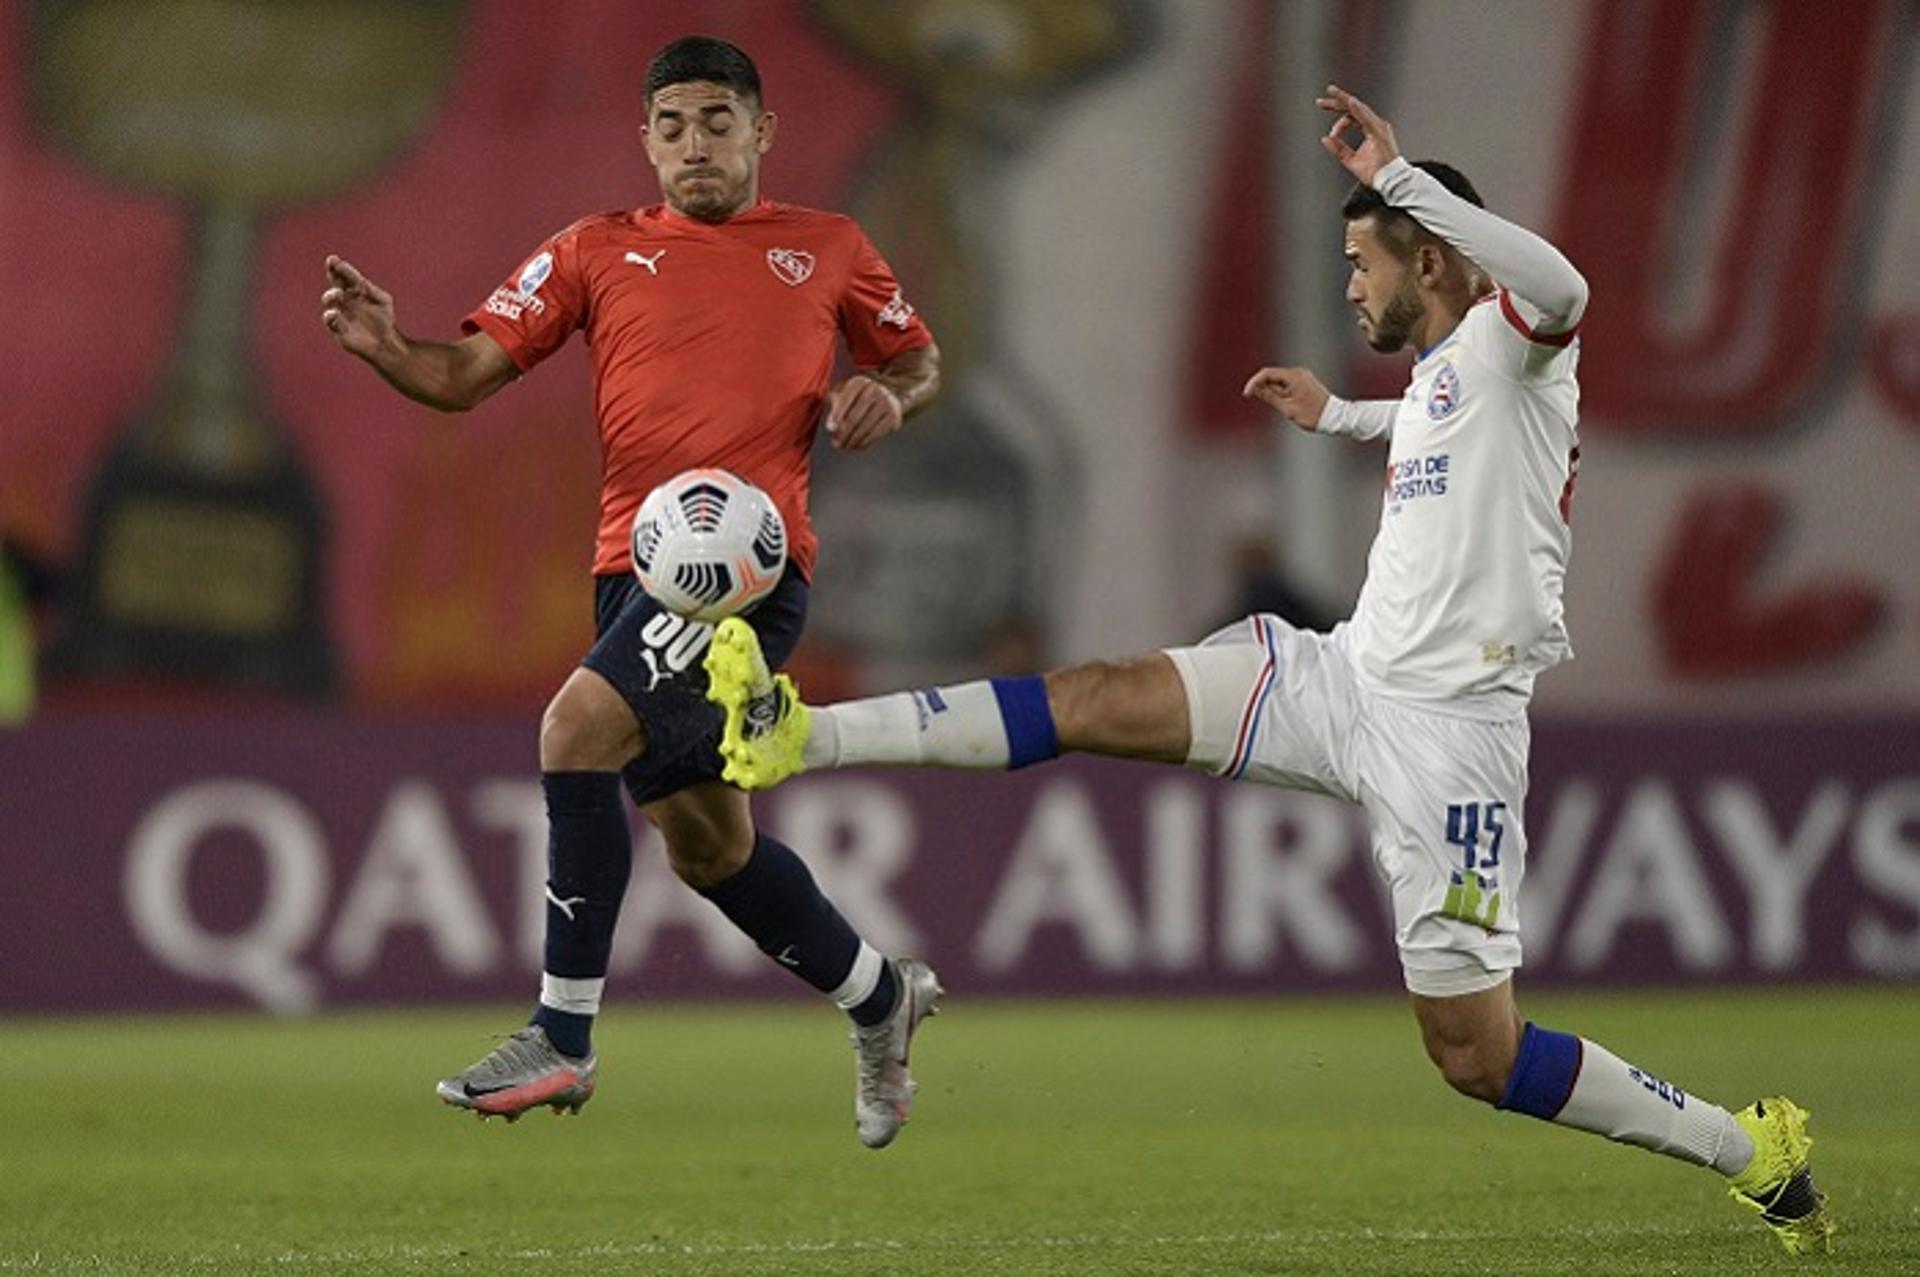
1778 1183
765 735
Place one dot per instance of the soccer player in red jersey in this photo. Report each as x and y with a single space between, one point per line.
713 320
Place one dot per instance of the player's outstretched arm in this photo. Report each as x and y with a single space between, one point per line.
1531 269
1294 393
870 405
1298 396
452 377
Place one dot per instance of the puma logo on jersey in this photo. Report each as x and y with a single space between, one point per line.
651 263
655 675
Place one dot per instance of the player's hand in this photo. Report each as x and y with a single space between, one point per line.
1377 148
357 311
1294 393
861 412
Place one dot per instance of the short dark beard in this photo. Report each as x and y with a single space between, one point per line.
1393 329
710 208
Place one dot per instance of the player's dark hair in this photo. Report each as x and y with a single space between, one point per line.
1396 227
703 57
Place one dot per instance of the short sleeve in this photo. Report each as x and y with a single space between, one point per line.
875 316
537 308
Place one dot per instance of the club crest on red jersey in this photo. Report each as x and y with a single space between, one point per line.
793 266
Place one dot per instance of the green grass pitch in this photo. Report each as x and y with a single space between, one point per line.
1110 1137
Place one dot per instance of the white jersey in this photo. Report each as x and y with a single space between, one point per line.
1462 601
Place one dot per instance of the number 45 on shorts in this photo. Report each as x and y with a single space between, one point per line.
1473 894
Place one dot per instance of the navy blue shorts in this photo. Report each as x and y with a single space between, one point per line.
657 662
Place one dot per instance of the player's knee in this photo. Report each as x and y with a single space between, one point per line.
707 859
703 852
1471 1069
577 736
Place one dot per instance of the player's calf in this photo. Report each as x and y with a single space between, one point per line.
1472 1039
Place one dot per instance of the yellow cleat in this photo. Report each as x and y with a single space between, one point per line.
765 736
1778 1183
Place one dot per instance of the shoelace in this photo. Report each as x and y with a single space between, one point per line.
522 1050
874 1053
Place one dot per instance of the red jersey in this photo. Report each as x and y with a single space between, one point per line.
713 344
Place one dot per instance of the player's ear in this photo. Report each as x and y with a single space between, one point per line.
764 125
646 143
1429 264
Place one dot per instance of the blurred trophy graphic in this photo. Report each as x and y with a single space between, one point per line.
205 541
952 540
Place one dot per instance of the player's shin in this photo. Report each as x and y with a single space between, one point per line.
589 859
991 725
1574 1082
774 899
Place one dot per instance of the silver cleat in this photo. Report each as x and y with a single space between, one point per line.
523 1072
884 1093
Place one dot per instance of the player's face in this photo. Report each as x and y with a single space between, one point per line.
705 142
1380 288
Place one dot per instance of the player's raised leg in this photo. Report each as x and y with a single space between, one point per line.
1132 709
765 889
1485 1050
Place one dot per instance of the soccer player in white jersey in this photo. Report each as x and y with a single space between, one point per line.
1416 708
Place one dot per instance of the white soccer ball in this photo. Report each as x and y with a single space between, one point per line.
708 545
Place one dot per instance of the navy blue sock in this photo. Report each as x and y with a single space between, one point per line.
775 900
878 1005
589 859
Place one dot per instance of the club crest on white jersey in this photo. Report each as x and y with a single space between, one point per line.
1444 396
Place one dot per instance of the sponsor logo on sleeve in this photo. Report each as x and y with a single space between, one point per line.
508 304
896 312
535 274
512 303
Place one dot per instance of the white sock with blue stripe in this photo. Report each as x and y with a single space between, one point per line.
990 725
1575 1082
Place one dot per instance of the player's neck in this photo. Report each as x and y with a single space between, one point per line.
1442 315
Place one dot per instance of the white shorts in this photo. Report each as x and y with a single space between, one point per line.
1443 793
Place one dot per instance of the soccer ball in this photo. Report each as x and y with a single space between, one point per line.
708 545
